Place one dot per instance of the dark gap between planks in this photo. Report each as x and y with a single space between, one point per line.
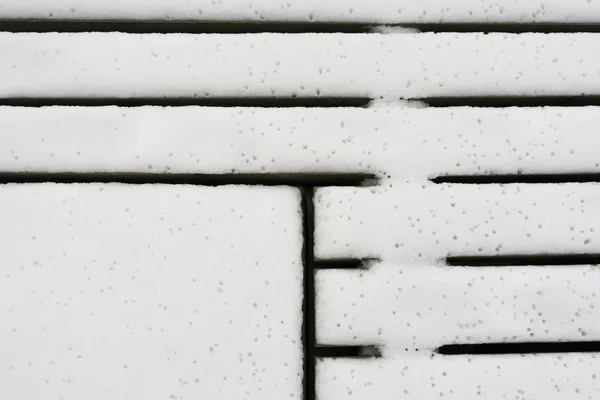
309 326
519 348
244 27
263 102
512 101
368 351
344 263
518 178
263 179
302 101
523 260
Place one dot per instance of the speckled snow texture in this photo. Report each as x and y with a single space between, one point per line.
419 308
420 223
149 292
380 140
388 11
308 65
409 302
512 377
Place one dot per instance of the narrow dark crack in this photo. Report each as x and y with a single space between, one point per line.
508 260
492 179
369 351
344 263
519 348
309 320
302 101
260 102
141 26
309 179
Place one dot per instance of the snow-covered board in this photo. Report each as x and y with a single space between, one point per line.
424 376
378 11
112 291
397 144
404 65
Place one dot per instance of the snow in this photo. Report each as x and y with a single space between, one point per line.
150 292
531 377
409 302
411 309
389 65
388 11
114 291
381 140
421 223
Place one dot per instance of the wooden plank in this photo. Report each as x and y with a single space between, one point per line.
420 224
142 292
382 11
372 65
418 308
532 377
379 140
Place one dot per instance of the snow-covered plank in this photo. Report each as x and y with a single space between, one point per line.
423 304
532 377
408 308
381 140
421 223
388 11
150 292
390 65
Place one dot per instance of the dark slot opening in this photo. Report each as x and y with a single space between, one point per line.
241 27
264 179
523 260
309 309
297 101
519 348
503 27
262 102
180 26
513 101
518 178
347 351
344 263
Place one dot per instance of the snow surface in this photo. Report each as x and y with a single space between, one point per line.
518 377
150 292
420 223
392 65
113 291
411 309
380 140
388 11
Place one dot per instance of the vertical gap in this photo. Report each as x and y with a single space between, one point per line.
309 324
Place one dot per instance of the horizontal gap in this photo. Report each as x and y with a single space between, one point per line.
180 26
344 263
347 351
519 348
295 101
512 101
523 260
518 178
503 27
241 27
279 102
267 179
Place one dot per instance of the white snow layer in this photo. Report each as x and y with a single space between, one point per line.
113 291
406 66
388 11
518 377
157 291
402 144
